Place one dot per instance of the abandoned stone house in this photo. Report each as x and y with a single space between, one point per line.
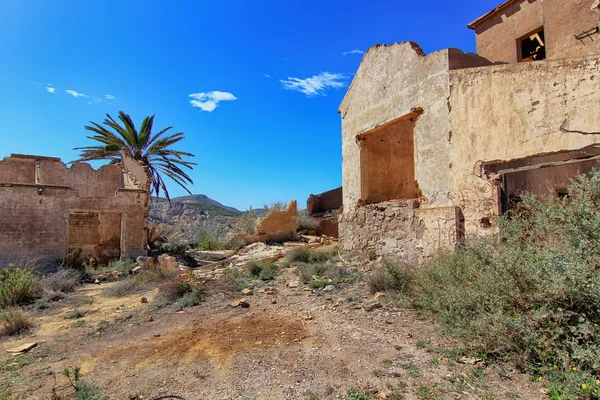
436 146
48 209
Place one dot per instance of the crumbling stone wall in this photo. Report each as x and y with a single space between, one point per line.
498 31
398 229
47 208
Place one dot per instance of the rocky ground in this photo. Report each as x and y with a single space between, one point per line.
289 343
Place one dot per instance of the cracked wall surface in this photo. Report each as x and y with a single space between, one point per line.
47 208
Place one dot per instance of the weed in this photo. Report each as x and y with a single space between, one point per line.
421 344
189 300
434 362
397 347
378 373
75 314
234 280
122 288
310 256
386 363
355 394
264 270
41 304
208 243
425 393
78 324
391 277
17 286
89 391
13 322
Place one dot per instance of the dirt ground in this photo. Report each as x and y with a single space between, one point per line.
295 344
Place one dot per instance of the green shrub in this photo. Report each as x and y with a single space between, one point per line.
13 322
531 293
17 286
391 277
75 314
311 256
41 304
208 243
235 280
88 391
265 270
247 221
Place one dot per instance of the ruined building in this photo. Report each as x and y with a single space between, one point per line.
48 210
436 146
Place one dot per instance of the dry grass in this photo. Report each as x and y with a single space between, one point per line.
64 280
13 322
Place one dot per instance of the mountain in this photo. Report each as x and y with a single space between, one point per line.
194 205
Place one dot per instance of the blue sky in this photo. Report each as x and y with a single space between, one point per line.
266 79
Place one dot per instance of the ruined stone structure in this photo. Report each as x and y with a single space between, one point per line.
275 226
48 209
323 208
436 146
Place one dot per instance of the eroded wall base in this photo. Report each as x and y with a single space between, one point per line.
399 231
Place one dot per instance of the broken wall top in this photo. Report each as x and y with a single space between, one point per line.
392 80
49 172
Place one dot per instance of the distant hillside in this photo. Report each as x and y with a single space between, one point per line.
190 206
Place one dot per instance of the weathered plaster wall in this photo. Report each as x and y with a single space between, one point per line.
391 82
562 20
398 229
39 194
507 112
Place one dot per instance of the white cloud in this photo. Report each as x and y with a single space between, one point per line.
266 75
109 97
74 93
50 89
209 101
315 85
355 51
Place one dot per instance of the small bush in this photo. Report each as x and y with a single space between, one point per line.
311 256
88 391
189 299
391 277
265 270
73 260
75 314
274 207
235 280
304 221
17 286
64 280
208 243
122 288
156 275
13 322
247 221
41 304
185 294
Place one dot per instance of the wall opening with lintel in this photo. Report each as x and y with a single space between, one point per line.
387 162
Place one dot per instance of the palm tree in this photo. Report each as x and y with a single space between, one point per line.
152 149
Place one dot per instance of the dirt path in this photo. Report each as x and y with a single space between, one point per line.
294 344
